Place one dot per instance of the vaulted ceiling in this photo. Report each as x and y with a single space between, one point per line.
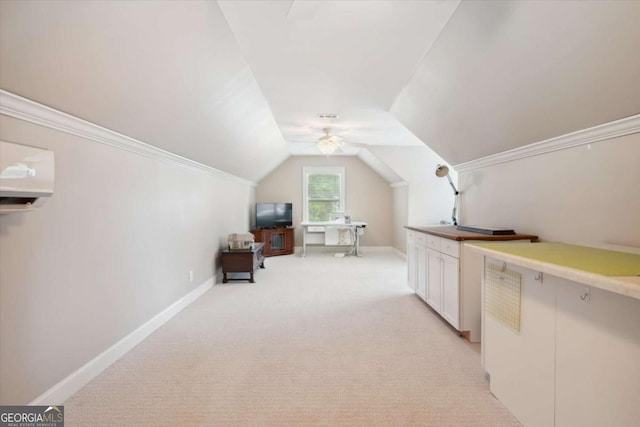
343 57
238 85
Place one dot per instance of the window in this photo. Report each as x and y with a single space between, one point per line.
323 193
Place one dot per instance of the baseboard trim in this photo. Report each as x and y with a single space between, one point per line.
376 248
399 253
81 377
335 249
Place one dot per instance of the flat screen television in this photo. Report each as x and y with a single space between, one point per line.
270 215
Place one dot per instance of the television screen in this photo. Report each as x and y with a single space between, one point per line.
269 215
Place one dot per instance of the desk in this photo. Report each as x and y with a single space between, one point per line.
332 234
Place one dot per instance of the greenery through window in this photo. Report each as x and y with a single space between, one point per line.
324 193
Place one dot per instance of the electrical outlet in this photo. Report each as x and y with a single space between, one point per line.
190 276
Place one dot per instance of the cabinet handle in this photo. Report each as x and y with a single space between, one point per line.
586 295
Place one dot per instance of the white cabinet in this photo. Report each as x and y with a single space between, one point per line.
434 280
520 363
434 268
574 361
421 277
597 356
450 289
448 276
416 263
443 285
412 260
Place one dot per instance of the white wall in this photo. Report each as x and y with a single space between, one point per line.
400 217
430 199
586 195
111 249
368 195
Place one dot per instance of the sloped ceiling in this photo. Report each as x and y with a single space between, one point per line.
505 74
167 73
346 57
237 85
379 166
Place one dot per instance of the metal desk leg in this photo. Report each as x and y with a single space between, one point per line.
304 241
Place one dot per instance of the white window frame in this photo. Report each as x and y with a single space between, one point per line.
314 170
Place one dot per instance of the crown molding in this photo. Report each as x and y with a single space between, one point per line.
606 131
399 184
20 108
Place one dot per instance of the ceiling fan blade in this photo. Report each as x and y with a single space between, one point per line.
302 141
330 139
354 144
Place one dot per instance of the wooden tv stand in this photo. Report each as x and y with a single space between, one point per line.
277 241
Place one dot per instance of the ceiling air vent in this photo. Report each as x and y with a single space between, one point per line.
328 116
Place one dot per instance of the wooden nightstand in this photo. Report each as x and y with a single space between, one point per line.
242 262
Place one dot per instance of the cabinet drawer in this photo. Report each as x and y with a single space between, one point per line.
433 242
411 237
315 228
450 247
420 239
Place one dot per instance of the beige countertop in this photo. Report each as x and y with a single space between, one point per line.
618 272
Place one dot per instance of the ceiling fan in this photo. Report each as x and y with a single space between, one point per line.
329 144
326 144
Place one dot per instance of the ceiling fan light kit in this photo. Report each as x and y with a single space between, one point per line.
328 144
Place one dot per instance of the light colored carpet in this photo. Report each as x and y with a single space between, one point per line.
316 341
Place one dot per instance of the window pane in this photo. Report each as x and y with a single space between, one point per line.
323 186
323 193
322 210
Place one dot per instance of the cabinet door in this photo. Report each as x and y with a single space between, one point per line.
412 265
521 363
266 236
450 289
288 240
292 239
421 277
597 356
277 241
434 280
